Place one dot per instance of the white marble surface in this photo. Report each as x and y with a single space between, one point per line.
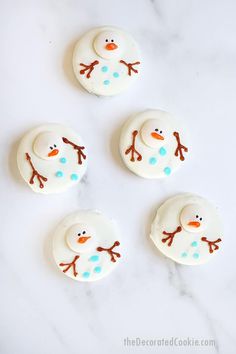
189 69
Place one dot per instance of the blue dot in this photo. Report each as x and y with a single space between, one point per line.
86 275
115 74
97 269
167 171
194 244
196 255
184 254
104 69
106 82
162 151
152 160
94 258
59 174
63 160
74 177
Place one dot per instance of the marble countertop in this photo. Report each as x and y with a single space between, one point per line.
189 57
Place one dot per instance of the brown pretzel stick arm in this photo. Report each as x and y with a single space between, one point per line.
132 148
171 235
69 265
89 68
130 66
110 251
180 148
211 244
79 149
35 173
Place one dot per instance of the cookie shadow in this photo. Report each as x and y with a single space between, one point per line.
12 162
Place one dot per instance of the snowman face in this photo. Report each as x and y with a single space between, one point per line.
48 145
81 238
155 133
109 44
194 218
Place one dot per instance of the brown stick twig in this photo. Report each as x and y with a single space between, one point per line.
180 147
78 148
171 235
69 265
35 173
88 68
211 244
132 148
130 66
110 251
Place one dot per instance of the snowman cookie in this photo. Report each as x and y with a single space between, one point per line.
51 158
86 246
152 145
187 229
106 61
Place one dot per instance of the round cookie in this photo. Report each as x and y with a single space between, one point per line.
85 246
152 145
187 229
51 158
106 61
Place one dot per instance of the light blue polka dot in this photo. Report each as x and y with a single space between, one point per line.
97 269
162 151
63 160
194 244
104 69
74 177
196 255
86 275
106 82
115 74
153 160
94 258
59 174
167 170
184 254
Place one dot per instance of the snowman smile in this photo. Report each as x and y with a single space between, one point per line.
83 239
194 223
157 136
111 46
54 152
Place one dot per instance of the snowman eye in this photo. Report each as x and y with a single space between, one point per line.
54 145
156 130
84 232
79 234
197 216
161 131
200 219
51 147
112 40
106 40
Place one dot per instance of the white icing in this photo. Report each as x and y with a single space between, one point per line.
158 155
193 218
91 264
109 77
62 169
187 246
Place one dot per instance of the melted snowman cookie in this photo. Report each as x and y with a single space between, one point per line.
106 61
152 145
86 246
51 158
187 229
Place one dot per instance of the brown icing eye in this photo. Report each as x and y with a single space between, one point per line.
197 216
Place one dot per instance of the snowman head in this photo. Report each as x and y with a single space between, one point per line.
194 218
81 238
155 132
109 44
48 145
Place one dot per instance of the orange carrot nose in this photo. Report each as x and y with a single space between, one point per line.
157 136
83 239
54 152
111 46
194 223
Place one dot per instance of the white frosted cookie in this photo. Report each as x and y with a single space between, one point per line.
106 61
51 158
151 144
187 229
86 246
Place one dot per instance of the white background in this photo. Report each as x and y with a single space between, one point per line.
189 62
